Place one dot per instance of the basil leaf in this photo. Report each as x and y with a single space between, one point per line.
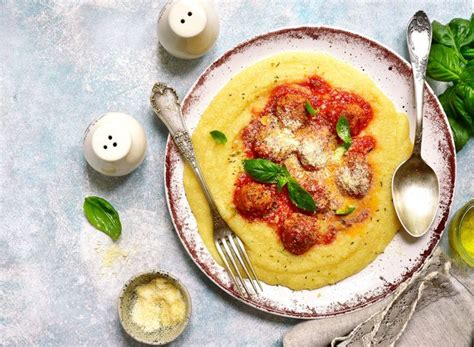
264 170
462 32
281 181
468 52
300 197
310 109
443 64
219 137
445 100
442 34
343 131
103 216
461 134
458 103
463 103
345 211
467 75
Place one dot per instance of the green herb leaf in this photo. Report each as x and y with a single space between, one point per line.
462 31
464 103
264 170
103 216
444 64
458 103
219 137
467 52
309 108
345 211
442 34
300 197
461 134
281 181
467 75
452 60
343 131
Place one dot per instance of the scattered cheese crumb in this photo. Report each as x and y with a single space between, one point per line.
112 254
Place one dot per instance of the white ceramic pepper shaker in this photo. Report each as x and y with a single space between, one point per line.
114 144
188 29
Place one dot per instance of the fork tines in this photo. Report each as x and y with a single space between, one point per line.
235 258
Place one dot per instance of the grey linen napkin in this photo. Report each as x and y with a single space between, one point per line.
433 309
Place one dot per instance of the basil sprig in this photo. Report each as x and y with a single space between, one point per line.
344 132
103 216
219 137
266 171
452 60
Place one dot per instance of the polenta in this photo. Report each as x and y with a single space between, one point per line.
288 109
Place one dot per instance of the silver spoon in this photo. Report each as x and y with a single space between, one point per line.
415 187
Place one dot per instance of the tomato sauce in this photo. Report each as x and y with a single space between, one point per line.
330 103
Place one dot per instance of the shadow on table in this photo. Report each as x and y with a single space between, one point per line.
173 65
102 183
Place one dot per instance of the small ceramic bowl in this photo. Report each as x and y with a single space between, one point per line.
127 299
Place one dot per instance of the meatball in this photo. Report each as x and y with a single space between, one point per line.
354 178
358 117
320 195
361 146
316 146
290 110
274 142
254 199
299 233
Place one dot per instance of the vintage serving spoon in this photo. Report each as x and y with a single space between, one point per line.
415 187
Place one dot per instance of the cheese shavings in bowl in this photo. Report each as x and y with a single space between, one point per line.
154 308
158 304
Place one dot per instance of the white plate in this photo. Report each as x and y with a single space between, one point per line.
403 256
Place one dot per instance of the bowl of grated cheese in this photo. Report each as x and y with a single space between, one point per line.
154 307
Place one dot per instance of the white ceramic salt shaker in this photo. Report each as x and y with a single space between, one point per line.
114 144
188 29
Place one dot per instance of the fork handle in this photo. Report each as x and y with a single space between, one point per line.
164 102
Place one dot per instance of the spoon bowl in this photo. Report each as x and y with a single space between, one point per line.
415 186
415 191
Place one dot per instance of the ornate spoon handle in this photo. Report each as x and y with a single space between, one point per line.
164 102
419 44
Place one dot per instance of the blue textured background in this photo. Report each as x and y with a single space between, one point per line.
62 64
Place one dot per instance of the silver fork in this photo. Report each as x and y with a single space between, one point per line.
164 102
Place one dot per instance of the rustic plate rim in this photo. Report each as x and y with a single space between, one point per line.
437 230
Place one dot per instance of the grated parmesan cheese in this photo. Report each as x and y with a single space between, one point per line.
158 304
281 141
313 153
291 123
354 179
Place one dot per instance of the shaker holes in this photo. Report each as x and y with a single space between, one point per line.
190 14
110 138
182 21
